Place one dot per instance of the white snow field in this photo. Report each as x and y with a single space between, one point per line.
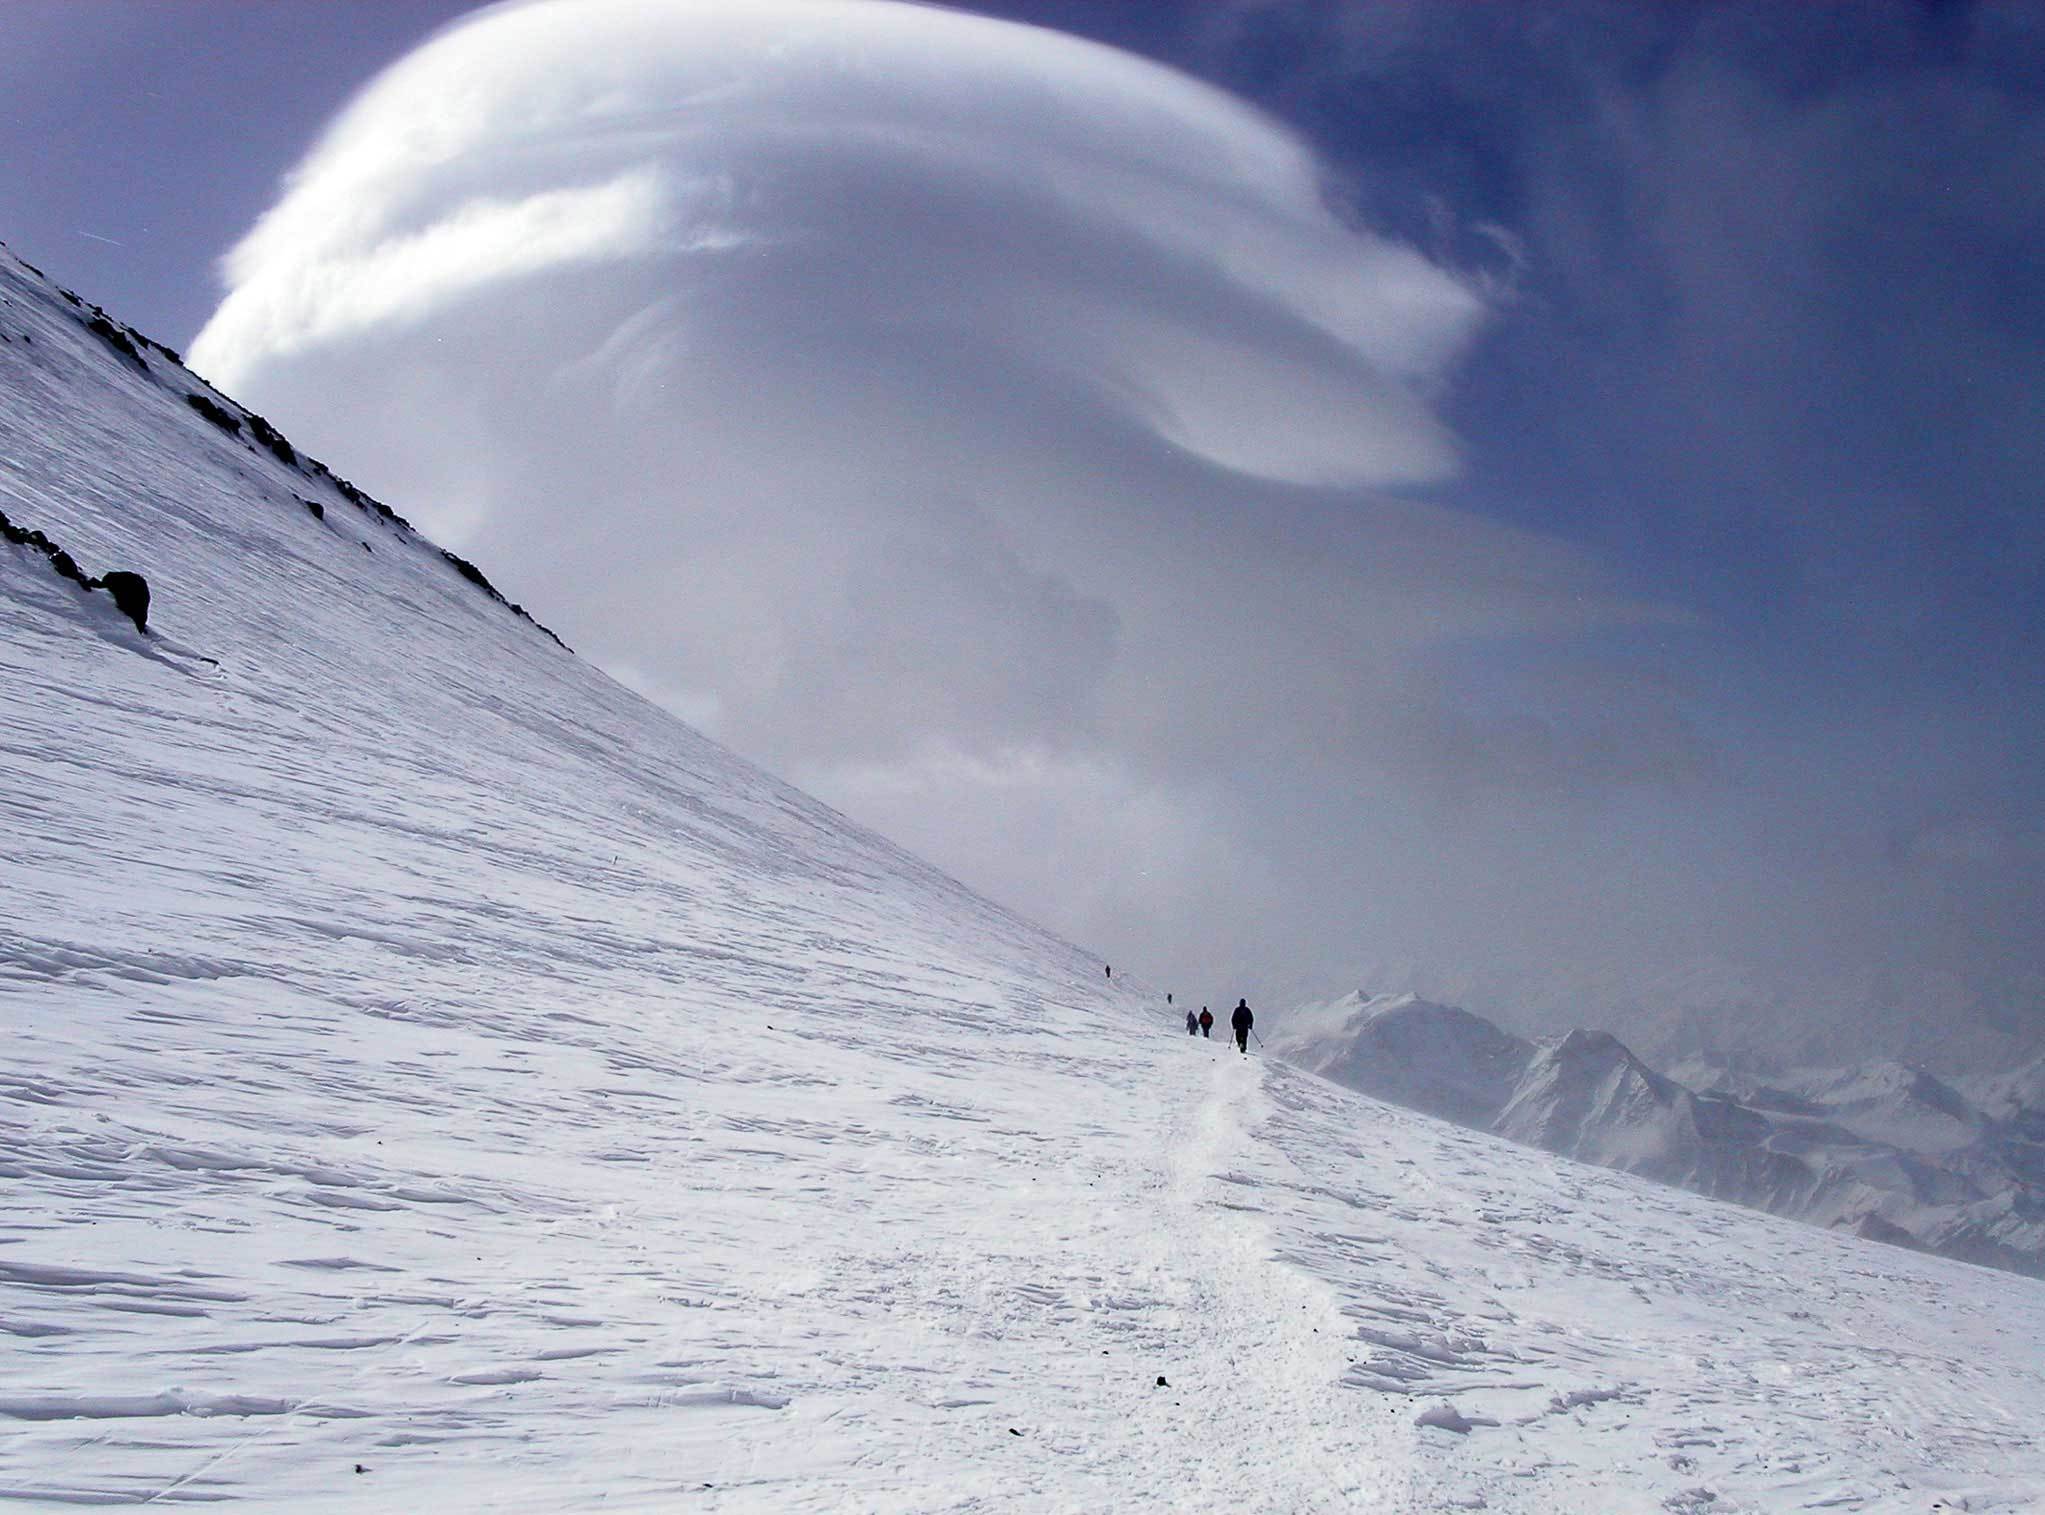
439 1081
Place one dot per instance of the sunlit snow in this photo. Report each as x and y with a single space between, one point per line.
438 1080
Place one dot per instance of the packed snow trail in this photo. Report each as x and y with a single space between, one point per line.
426 1057
1272 1339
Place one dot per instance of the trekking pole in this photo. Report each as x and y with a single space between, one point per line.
1253 1032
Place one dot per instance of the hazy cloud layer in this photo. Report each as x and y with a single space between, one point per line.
1775 342
1013 441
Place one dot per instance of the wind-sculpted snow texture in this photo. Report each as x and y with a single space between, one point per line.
439 1081
1890 1152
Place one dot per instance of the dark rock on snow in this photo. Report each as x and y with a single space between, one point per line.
131 593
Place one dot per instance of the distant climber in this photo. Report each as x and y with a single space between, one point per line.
1109 969
1206 1021
1168 996
1192 1024
1241 1022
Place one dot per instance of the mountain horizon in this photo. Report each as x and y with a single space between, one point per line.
1884 1150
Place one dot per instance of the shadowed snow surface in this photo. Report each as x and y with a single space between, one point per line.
427 1057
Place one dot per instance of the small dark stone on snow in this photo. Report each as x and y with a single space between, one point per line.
360 1469
1013 1431
1161 1382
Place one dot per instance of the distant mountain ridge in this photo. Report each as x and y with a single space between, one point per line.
1884 1150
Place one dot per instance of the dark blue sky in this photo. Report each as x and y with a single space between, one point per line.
1768 335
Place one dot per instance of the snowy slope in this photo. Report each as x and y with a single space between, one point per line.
427 1058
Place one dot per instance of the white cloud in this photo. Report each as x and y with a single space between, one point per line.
408 276
900 172
976 421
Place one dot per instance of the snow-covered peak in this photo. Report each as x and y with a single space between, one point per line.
1586 1079
1401 1047
1891 1102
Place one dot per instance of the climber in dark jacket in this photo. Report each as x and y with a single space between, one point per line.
1206 1021
1242 1020
1192 1024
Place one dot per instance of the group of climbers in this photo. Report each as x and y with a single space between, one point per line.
1240 1022
1203 1023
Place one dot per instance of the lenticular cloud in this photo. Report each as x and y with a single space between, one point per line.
795 180
843 365
905 396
